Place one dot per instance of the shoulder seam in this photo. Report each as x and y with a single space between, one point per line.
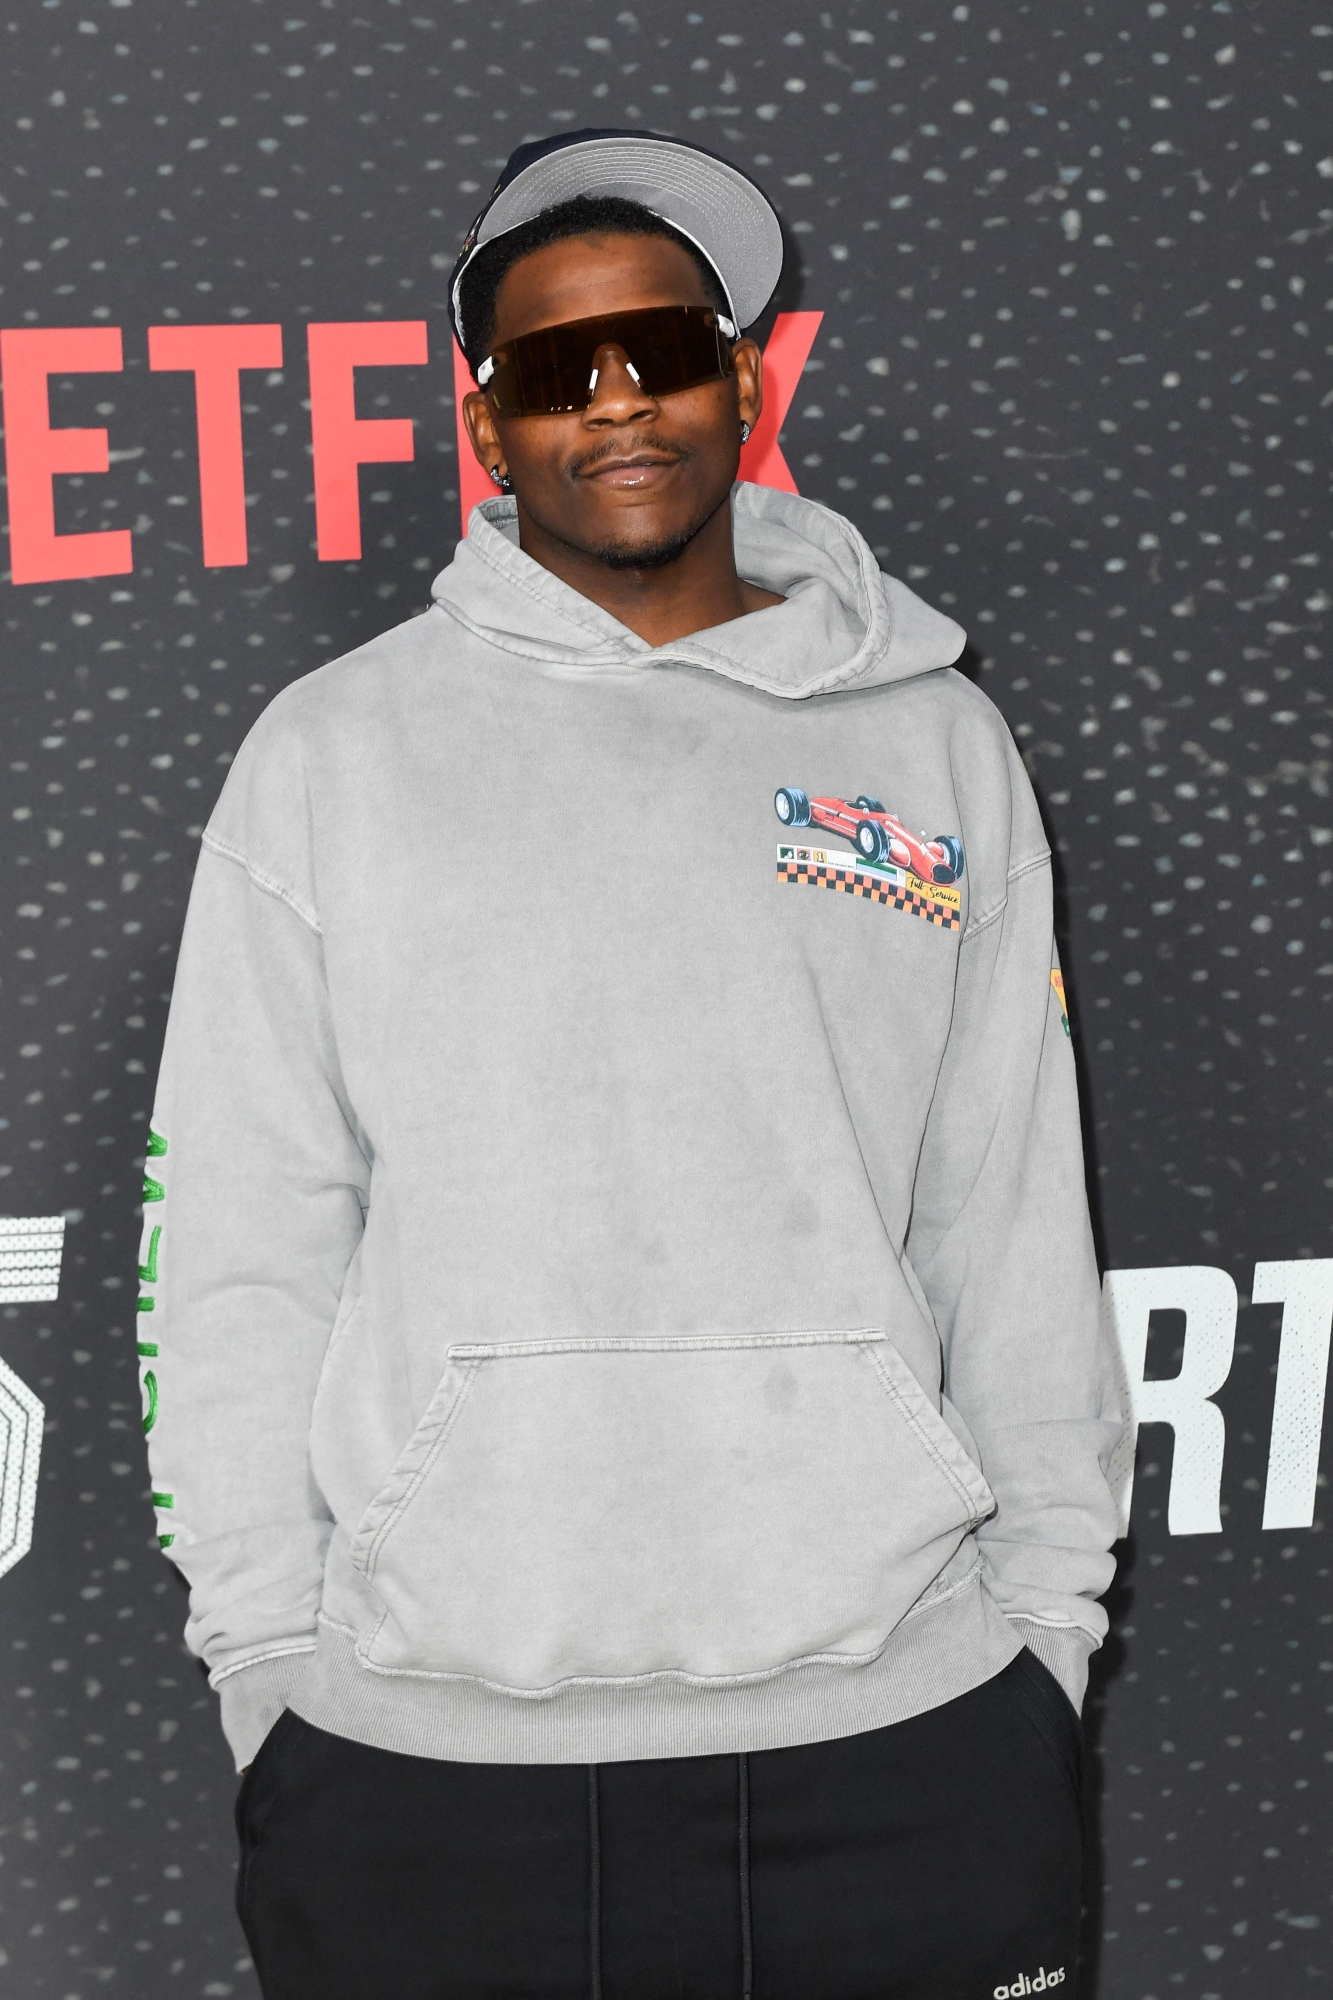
980 924
1016 873
1026 867
263 882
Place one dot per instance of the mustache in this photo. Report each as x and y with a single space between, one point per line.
623 447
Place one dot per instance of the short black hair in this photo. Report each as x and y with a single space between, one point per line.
584 215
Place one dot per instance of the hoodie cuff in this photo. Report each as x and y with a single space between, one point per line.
253 1697
1064 1650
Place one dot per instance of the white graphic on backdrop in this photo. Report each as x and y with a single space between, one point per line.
20 1448
1207 1297
1305 1293
30 1248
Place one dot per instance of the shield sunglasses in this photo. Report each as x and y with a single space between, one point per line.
553 371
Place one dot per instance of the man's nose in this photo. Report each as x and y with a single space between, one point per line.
615 393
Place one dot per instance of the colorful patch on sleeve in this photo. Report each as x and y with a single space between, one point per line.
888 864
153 1190
1058 982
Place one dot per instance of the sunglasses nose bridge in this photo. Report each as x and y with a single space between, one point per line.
611 364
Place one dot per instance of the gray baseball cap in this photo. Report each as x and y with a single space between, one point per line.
719 208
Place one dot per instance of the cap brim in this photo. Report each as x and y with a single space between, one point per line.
708 200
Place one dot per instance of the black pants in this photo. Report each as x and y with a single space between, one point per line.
934 1860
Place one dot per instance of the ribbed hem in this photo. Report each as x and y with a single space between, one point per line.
254 1697
1064 1650
949 1646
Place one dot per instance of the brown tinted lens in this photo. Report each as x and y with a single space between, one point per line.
548 372
678 347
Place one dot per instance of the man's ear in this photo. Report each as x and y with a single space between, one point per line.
480 420
749 381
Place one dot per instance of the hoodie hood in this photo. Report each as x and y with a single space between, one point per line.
844 624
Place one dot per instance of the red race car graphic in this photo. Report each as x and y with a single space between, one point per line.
874 832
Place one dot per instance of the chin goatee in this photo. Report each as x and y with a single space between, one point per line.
622 555
656 555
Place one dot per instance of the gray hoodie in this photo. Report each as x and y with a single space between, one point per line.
617 1277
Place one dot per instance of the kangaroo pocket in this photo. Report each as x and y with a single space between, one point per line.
708 1506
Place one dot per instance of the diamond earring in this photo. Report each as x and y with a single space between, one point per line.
502 479
745 433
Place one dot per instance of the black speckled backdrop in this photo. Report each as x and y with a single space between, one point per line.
1073 382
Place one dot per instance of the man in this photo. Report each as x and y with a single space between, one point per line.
628 1396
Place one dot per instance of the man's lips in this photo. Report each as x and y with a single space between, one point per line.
631 469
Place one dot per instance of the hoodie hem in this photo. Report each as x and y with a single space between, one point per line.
1064 1650
936 1654
253 1696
